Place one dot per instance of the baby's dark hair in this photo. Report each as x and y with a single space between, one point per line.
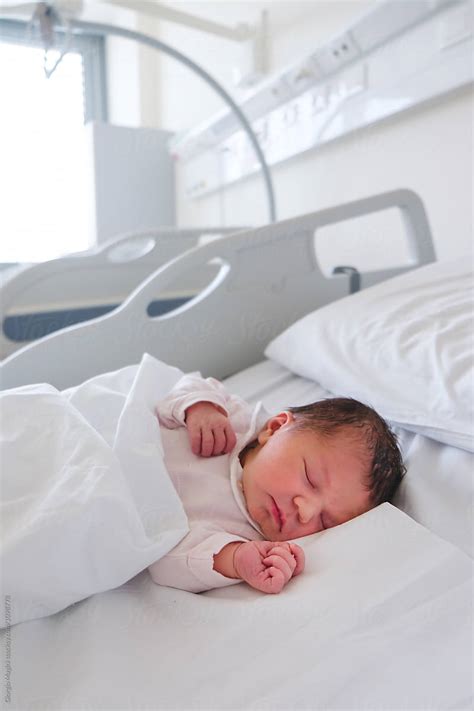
327 417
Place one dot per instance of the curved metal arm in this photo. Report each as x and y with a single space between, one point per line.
102 29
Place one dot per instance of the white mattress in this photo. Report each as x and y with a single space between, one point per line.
380 618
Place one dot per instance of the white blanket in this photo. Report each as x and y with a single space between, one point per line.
87 502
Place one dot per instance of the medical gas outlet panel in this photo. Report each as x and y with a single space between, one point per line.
397 56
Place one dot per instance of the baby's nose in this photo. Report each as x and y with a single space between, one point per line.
305 509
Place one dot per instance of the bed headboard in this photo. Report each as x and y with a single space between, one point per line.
268 277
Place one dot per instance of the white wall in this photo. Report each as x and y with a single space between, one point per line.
428 149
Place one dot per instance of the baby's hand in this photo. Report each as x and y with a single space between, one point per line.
209 429
267 565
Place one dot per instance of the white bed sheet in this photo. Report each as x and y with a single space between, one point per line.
380 619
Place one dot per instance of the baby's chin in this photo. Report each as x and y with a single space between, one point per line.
271 534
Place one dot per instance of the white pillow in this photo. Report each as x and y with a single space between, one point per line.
404 346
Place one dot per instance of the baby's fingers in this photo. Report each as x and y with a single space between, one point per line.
194 434
271 580
207 442
298 554
231 439
278 562
283 550
224 440
219 441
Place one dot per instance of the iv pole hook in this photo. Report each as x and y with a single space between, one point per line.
47 17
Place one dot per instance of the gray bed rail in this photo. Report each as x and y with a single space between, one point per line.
268 277
36 297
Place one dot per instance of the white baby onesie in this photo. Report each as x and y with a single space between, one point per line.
207 486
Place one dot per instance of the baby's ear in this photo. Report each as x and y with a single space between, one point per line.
274 424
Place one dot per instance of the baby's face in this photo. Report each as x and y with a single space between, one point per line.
296 482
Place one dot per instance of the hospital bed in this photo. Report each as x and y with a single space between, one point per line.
38 299
382 616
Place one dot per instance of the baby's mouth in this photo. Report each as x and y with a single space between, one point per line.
277 515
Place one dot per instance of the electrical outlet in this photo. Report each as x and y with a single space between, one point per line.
337 53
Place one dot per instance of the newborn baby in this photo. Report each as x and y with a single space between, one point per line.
251 483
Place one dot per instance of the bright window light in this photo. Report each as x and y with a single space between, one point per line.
44 208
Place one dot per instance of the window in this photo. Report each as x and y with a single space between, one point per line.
44 179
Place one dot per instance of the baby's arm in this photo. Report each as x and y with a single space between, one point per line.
189 565
207 558
204 406
264 565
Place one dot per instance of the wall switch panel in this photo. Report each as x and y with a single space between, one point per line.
357 79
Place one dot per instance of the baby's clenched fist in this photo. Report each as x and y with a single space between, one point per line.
209 430
268 565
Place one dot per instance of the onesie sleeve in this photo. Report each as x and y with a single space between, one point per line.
192 388
189 565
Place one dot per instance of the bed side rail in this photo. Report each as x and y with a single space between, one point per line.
102 276
268 277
